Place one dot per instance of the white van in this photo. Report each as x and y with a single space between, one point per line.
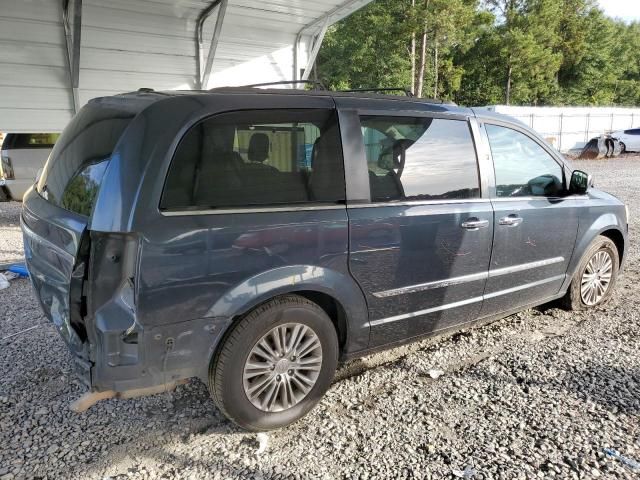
23 155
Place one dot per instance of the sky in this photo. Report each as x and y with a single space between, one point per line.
628 10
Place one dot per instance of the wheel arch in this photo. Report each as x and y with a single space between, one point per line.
336 293
606 225
616 237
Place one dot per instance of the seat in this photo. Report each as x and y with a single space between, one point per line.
325 162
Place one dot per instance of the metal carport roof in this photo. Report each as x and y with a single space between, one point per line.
57 54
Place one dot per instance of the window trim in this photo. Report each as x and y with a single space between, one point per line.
517 128
469 120
266 208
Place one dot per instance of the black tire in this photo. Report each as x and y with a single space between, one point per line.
573 300
227 366
623 147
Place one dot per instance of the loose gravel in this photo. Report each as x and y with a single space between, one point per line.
539 394
10 237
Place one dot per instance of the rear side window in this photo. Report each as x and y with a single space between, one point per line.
72 176
419 158
522 167
257 158
30 140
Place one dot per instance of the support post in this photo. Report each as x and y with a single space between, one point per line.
73 38
222 10
204 14
314 52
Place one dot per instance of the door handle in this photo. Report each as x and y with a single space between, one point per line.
474 223
512 220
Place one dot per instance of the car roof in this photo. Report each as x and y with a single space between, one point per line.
142 98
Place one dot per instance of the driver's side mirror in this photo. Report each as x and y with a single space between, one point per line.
580 182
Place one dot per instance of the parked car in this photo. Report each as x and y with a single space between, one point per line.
23 156
629 139
185 234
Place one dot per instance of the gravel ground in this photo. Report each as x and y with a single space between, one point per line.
10 237
536 395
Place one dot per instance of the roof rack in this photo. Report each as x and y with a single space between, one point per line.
383 89
315 83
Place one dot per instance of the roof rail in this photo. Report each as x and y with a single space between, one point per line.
316 83
382 89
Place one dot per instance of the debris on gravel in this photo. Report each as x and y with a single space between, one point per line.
542 394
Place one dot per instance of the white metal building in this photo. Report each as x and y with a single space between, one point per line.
57 54
570 128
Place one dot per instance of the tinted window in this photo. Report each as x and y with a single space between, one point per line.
419 158
264 157
30 140
80 156
82 189
523 168
633 131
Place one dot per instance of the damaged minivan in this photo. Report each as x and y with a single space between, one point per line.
255 238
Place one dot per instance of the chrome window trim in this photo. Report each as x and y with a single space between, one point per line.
533 197
467 278
462 303
412 203
228 211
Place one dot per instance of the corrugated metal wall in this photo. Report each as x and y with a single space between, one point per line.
128 44
570 128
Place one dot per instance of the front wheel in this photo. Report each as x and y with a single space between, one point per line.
596 276
275 364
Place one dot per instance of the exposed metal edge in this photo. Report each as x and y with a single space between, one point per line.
432 285
426 311
413 203
524 266
525 286
180 213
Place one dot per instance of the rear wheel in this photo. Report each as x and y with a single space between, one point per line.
596 276
275 364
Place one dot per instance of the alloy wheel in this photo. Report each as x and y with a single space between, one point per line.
282 367
596 278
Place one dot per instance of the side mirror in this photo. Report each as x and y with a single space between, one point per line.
580 182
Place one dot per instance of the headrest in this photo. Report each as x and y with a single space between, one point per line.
258 147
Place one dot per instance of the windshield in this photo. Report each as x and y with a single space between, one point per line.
72 176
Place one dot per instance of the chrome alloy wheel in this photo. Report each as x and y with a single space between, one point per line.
282 367
596 278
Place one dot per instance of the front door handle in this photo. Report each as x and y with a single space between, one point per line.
512 220
474 223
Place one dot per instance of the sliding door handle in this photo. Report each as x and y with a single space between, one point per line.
512 220
474 223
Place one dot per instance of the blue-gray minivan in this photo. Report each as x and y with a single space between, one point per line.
254 238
